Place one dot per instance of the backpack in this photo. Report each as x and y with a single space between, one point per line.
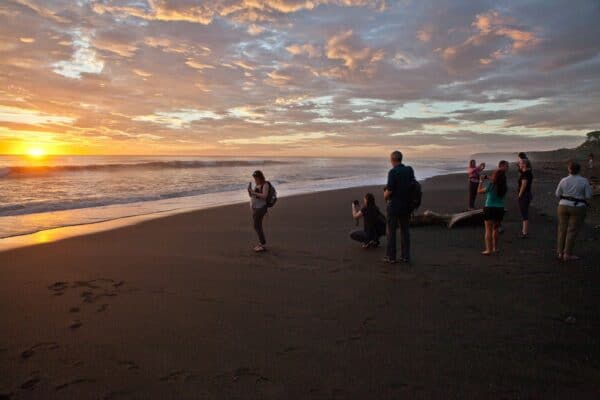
272 196
415 195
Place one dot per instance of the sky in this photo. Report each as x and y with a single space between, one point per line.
433 78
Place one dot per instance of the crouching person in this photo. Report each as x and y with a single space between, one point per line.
373 222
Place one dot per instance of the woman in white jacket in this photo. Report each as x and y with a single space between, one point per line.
574 191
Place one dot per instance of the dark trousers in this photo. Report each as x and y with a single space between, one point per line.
472 193
524 202
397 220
257 216
359 235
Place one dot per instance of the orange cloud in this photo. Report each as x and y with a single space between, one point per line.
346 48
309 50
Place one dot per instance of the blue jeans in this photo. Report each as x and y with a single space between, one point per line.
397 219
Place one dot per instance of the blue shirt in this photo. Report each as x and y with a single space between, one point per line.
492 199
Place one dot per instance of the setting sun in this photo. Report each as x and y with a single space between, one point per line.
36 152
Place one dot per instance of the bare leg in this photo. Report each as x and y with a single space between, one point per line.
488 238
525 229
495 234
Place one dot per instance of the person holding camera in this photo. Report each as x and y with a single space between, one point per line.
373 222
258 203
495 190
474 171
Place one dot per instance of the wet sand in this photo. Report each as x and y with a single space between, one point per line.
181 308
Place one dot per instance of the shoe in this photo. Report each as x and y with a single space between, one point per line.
524 236
388 260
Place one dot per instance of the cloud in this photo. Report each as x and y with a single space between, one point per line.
198 65
238 10
27 116
255 30
346 47
178 119
84 60
292 138
159 10
142 73
308 49
496 36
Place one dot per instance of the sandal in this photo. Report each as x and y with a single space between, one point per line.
259 248
571 258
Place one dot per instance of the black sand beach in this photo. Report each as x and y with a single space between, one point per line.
181 308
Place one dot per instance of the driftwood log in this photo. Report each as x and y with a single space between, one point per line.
474 217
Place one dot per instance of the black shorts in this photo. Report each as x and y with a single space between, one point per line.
493 213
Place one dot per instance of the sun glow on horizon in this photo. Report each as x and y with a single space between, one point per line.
36 152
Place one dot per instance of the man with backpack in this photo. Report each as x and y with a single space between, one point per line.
403 195
262 197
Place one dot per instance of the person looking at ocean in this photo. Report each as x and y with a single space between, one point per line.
258 203
397 194
574 191
495 190
373 220
524 194
474 172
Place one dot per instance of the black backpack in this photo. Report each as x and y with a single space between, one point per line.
272 196
416 195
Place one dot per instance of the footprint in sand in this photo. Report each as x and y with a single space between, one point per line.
73 382
249 373
37 347
117 394
31 383
58 288
128 364
176 376
102 308
75 324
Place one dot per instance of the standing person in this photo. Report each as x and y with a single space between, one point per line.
474 172
397 195
503 165
258 203
591 161
524 195
373 220
574 191
493 212
523 157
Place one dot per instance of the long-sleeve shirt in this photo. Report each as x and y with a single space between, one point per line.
399 181
575 186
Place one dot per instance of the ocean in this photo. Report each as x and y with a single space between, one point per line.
53 192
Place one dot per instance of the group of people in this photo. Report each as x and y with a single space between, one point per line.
573 192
